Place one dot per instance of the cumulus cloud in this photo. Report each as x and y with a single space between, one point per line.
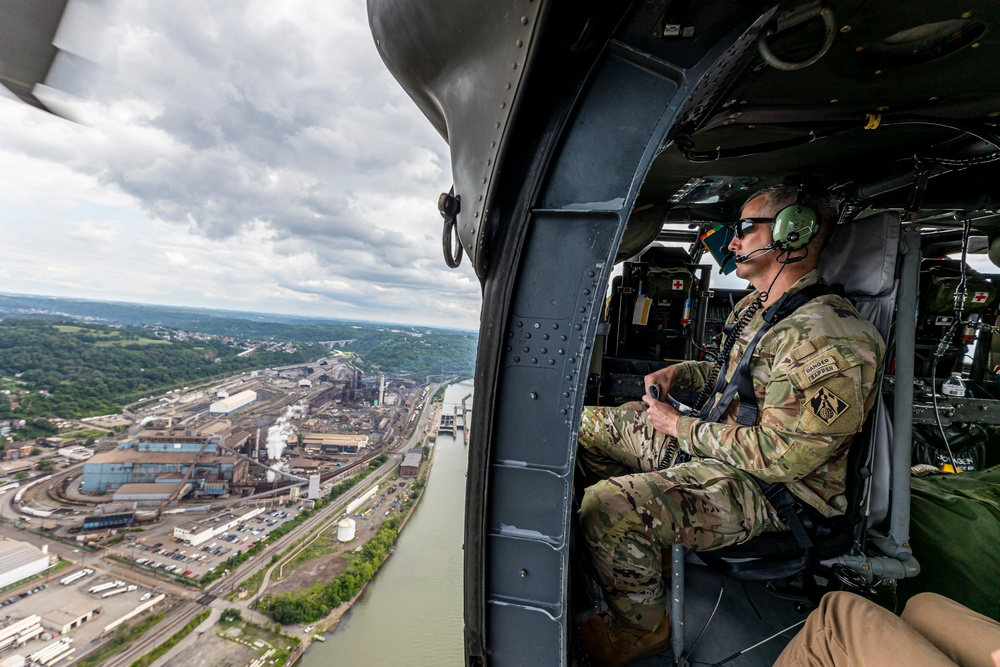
261 147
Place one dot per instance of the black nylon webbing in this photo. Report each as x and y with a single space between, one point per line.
742 381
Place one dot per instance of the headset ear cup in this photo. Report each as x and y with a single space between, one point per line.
795 226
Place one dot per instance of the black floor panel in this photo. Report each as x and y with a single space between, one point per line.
746 615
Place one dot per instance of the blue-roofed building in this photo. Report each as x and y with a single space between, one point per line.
165 457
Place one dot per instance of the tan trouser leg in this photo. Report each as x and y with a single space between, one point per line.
847 630
963 635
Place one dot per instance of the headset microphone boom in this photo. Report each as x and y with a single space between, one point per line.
742 259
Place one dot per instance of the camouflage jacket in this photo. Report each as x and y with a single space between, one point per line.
814 376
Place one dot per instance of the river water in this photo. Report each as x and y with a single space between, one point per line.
411 613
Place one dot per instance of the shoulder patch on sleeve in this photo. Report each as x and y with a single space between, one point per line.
819 368
827 406
824 362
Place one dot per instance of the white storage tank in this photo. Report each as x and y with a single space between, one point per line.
345 530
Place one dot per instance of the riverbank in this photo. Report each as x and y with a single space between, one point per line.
417 597
330 622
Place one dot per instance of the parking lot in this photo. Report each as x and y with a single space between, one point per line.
159 551
60 604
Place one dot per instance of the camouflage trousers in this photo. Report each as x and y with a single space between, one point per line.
636 511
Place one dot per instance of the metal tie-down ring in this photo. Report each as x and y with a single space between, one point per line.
449 204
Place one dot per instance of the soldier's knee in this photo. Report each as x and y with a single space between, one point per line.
594 509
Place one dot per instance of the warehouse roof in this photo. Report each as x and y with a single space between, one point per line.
146 489
14 554
333 439
135 456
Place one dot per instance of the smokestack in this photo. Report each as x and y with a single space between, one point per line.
256 447
381 390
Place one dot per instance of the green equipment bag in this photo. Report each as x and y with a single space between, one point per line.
669 283
955 533
939 297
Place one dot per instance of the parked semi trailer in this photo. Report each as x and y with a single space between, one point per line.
103 587
76 576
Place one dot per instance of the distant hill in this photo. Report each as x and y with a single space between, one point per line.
92 356
175 317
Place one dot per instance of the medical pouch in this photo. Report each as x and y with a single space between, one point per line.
668 283
939 297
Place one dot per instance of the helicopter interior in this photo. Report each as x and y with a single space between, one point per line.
582 134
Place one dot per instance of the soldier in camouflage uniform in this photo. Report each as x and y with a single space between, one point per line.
814 377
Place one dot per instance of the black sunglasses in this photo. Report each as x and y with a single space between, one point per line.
745 225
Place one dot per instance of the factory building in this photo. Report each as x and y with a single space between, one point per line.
76 453
64 619
194 532
165 457
108 516
324 398
231 404
333 443
199 532
302 465
149 494
411 464
11 468
20 560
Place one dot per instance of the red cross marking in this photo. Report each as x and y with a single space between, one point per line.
980 297
679 284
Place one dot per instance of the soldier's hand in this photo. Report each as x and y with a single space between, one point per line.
665 379
661 416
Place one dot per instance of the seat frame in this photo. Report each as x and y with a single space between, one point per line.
885 469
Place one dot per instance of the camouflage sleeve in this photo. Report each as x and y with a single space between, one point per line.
815 397
692 374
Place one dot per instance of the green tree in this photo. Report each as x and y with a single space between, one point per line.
46 464
21 474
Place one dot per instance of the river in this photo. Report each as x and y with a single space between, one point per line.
411 613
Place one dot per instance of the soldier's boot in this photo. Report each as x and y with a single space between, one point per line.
611 643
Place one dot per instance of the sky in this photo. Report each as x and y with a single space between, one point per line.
242 155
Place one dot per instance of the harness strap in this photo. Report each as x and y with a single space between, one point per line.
784 503
742 380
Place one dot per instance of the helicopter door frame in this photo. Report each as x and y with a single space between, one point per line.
543 298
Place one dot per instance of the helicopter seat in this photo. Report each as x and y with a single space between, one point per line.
861 259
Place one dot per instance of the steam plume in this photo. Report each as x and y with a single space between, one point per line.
278 434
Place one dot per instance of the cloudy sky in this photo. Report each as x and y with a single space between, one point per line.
249 155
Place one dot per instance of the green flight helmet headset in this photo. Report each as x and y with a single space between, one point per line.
796 225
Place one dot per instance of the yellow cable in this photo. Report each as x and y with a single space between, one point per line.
873 120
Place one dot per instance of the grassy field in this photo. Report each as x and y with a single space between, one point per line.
84 433
140 341
110 337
